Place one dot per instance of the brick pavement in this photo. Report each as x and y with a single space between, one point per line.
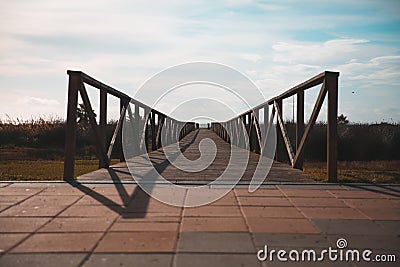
56 224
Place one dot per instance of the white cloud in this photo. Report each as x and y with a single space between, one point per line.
251 57
373 72
30 100
125 42
328 51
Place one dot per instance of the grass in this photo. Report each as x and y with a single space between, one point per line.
358 171
43 170
348 172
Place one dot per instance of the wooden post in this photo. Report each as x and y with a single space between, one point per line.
102 124
146 116
331 82
122 104
176 131
299 126
153 131
280 145
230 132
74 83
159 129
172 132
248 128
169 131
224 132
236 132
265 129
227 132
242 129
136 128
256 126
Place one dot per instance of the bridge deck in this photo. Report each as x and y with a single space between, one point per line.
279 172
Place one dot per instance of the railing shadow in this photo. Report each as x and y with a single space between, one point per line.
136 204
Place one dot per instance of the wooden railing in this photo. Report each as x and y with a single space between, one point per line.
329 81
152 127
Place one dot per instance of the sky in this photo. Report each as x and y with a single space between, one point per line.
276 44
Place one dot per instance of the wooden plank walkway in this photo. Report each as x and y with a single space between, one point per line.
190 146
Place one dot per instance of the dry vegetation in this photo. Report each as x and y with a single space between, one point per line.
34 150
387 171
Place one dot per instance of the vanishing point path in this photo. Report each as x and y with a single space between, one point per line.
279 172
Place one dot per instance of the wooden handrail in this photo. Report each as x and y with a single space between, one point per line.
76 85
329 81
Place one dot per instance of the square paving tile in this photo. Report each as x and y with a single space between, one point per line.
271 212
61 190
77 224
373 242
264 201
152 206
59 242
392 227
129 189
21 191
203 196
291 240
215 242
207 211
42 259
373 203
150 219
280 225
106 200
307 193
213 224
228 260
332 213
383 213
92 211
144 215
21 224
12 199
259 193
138 242
360 194
51 200
229 200
315 186
9 240
34 211
4 207
145 226
317 202
132 260
347 227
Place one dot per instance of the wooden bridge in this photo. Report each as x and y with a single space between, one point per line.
112 221
288 160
